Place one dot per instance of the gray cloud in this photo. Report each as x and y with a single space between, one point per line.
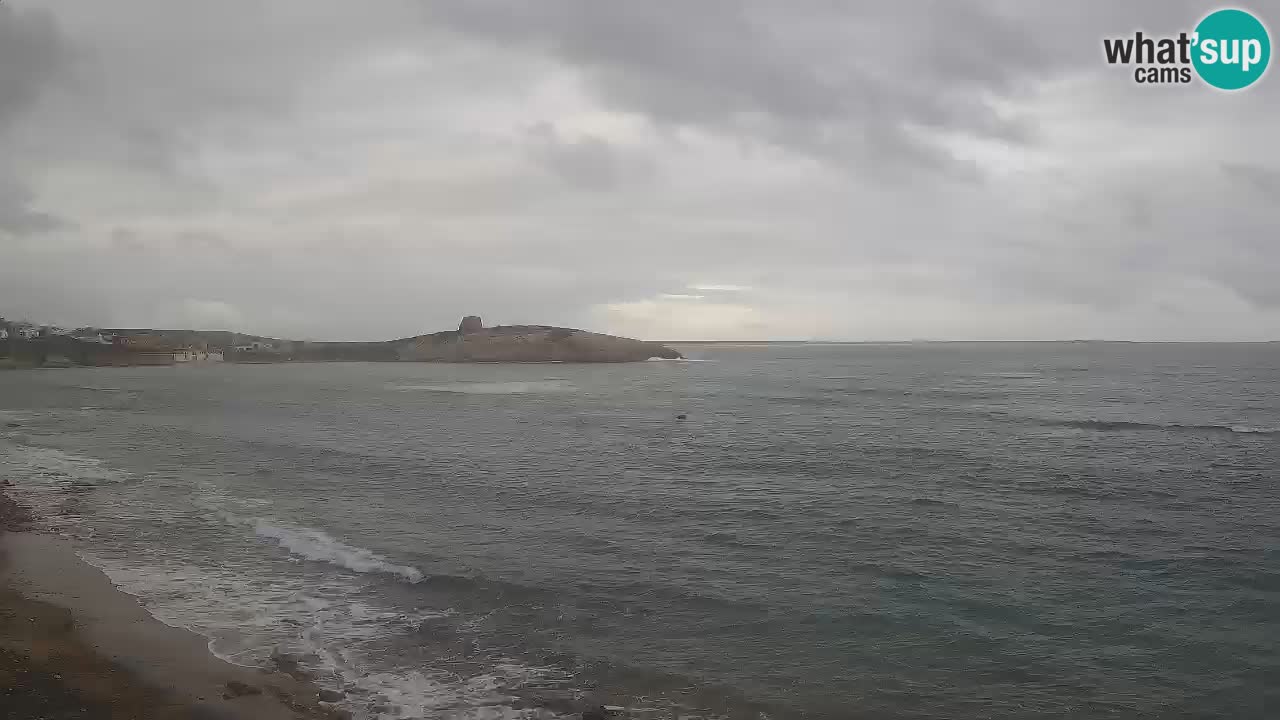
31 56
17 217
30 53
835 86
1261 179
586 162
893 170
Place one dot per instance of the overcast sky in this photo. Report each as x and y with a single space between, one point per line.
720 169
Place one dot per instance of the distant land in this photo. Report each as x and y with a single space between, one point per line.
26 345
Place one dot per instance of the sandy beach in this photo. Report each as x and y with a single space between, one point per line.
73 646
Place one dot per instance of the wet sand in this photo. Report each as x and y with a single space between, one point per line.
73 646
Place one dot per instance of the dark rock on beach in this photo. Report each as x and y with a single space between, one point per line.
235 689
289 664
13 516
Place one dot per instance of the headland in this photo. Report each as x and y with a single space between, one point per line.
24 347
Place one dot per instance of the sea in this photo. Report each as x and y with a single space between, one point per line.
785 530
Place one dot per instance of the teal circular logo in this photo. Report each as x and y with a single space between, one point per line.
1231 49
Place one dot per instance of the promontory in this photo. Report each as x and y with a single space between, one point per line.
471 342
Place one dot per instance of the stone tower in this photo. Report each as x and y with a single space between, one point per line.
470 324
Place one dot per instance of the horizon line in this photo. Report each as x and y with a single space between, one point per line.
744 341
966 340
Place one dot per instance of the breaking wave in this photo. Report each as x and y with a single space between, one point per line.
49 466
1124 425
494 388
319 546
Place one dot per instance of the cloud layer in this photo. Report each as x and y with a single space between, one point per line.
730 169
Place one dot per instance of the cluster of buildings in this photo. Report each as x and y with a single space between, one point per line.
262 346
144 349
24 330
27 331
91 346
36 344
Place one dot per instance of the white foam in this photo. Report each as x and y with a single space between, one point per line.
243 617
493 388
249 607
1251 429
49 480
304 542
338 637
50 466
441 695
316 545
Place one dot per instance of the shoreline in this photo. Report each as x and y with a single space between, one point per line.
74 645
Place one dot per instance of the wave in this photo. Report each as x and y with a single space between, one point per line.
337 633
679 360
898 392
493 388
320 546
932 502
1015 375
724 538
1126 425
1251 430
823 400
438 693
325 629
47 466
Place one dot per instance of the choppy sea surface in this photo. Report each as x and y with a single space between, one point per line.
1060 530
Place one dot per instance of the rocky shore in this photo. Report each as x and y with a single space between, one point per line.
72 646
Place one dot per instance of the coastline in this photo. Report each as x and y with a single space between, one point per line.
73 645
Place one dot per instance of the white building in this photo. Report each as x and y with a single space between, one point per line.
256 346
196 355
